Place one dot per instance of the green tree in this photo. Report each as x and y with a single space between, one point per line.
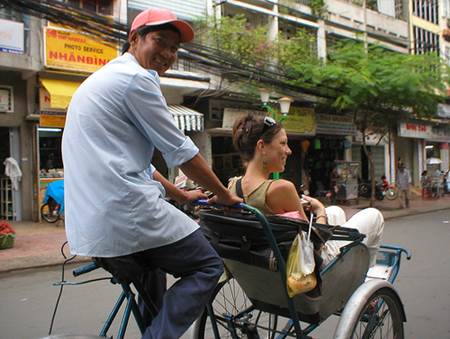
236 37
378 87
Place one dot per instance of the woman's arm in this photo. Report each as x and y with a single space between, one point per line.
282 197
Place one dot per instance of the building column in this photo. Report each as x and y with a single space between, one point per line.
387 161
393 160
213 9
444 156
419 161
348 149
273 23
321 41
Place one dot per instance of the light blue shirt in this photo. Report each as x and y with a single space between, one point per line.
115 120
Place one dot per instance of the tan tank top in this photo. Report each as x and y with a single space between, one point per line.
256 198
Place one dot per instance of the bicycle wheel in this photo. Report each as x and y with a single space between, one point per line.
236 317
48 214
381 317
391 194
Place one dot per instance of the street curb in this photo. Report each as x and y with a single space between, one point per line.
412 212
50 263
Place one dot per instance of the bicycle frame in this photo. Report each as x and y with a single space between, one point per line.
127 296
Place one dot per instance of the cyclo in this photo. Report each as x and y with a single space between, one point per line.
251 299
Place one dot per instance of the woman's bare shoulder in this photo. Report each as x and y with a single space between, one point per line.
282 186
282 197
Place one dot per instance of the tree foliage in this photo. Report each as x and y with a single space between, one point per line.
377 86
237 37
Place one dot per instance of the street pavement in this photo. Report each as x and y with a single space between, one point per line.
39 244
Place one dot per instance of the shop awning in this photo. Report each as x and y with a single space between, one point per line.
59 93
187 119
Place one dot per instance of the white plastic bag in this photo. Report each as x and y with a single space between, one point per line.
307 263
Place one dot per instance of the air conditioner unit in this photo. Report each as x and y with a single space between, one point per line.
6 99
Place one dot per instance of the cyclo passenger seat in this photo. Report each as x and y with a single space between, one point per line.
239 239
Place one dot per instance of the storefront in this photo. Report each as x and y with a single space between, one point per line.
329 145
378 145
15 146
419 142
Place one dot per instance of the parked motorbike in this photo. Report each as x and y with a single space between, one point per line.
389 191
52 208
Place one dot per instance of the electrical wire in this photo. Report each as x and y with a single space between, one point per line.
61 286
206 58
63 282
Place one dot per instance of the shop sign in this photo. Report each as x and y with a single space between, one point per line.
68 50
11 36
300 120
443 111
52 119
414 130
439 133
230 115
330 124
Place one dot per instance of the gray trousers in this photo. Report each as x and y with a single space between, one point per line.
191 259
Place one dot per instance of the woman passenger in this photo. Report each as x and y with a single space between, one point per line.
263 146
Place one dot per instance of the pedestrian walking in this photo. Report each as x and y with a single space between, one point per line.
404 182
115 206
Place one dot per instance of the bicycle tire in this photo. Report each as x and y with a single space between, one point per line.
48 215
391 194
229 301
381 310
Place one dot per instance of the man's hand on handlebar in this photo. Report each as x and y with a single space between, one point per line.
193 195
227 199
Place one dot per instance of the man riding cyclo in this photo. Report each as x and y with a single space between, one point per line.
115 206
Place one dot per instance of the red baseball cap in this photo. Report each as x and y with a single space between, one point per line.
160 16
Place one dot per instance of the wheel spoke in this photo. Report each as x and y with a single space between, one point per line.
381 317
231 307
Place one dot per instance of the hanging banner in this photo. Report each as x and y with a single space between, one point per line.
73 51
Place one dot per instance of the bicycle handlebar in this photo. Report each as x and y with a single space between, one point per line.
204 202
85 269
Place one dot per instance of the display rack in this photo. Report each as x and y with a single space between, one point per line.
346 180
6 199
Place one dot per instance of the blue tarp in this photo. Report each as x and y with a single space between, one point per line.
55 190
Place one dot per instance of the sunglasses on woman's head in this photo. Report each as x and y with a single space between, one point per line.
269 122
